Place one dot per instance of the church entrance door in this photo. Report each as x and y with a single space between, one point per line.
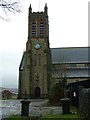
37 92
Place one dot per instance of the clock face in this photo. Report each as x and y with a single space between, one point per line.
37 46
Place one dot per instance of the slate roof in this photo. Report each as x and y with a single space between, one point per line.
67 55
22 62
70 55
77 73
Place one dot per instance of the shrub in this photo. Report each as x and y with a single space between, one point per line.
57 92
55 95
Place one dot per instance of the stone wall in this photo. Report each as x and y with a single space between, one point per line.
84 102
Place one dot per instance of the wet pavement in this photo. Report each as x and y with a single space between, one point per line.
10 107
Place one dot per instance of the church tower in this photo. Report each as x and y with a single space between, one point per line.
34 70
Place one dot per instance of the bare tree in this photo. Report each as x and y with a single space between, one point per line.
10 6
59 71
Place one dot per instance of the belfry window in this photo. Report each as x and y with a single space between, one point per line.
34 29
41 29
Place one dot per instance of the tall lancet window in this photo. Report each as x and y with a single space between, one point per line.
37 59
34 29
41 28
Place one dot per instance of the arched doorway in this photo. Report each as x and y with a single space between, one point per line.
37 92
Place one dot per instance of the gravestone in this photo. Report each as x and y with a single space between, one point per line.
65 105
25 106
84 102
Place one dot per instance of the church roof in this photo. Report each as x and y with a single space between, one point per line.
77 73
70 55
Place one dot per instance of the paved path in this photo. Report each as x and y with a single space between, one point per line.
10 107
41 111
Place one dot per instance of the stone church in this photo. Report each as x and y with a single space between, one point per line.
41 66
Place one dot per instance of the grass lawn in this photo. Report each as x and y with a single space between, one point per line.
19 117
51 117
47 117
62 117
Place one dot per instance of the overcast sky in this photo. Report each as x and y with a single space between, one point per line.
68 27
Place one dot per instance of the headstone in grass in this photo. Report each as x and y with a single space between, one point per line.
25 106
65 105
84 102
